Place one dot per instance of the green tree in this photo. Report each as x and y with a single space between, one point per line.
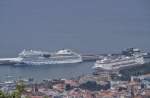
45 97
20 87
19 90
2 95
16 94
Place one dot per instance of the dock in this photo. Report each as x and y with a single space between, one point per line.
90 57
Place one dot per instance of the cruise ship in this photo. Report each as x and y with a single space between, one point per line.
10 61
135 51
108 63
32 57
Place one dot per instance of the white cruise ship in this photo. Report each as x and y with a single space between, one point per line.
41 58
118 62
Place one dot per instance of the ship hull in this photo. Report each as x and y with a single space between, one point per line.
117 68
50 62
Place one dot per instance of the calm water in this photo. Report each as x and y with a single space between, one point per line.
41 72
9 72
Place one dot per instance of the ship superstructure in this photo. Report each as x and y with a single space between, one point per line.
40 57
108 63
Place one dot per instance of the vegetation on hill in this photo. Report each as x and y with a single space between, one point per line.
16 94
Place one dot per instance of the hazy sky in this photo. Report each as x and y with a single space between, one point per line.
93 26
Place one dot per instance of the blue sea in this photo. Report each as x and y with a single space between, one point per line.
41 72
